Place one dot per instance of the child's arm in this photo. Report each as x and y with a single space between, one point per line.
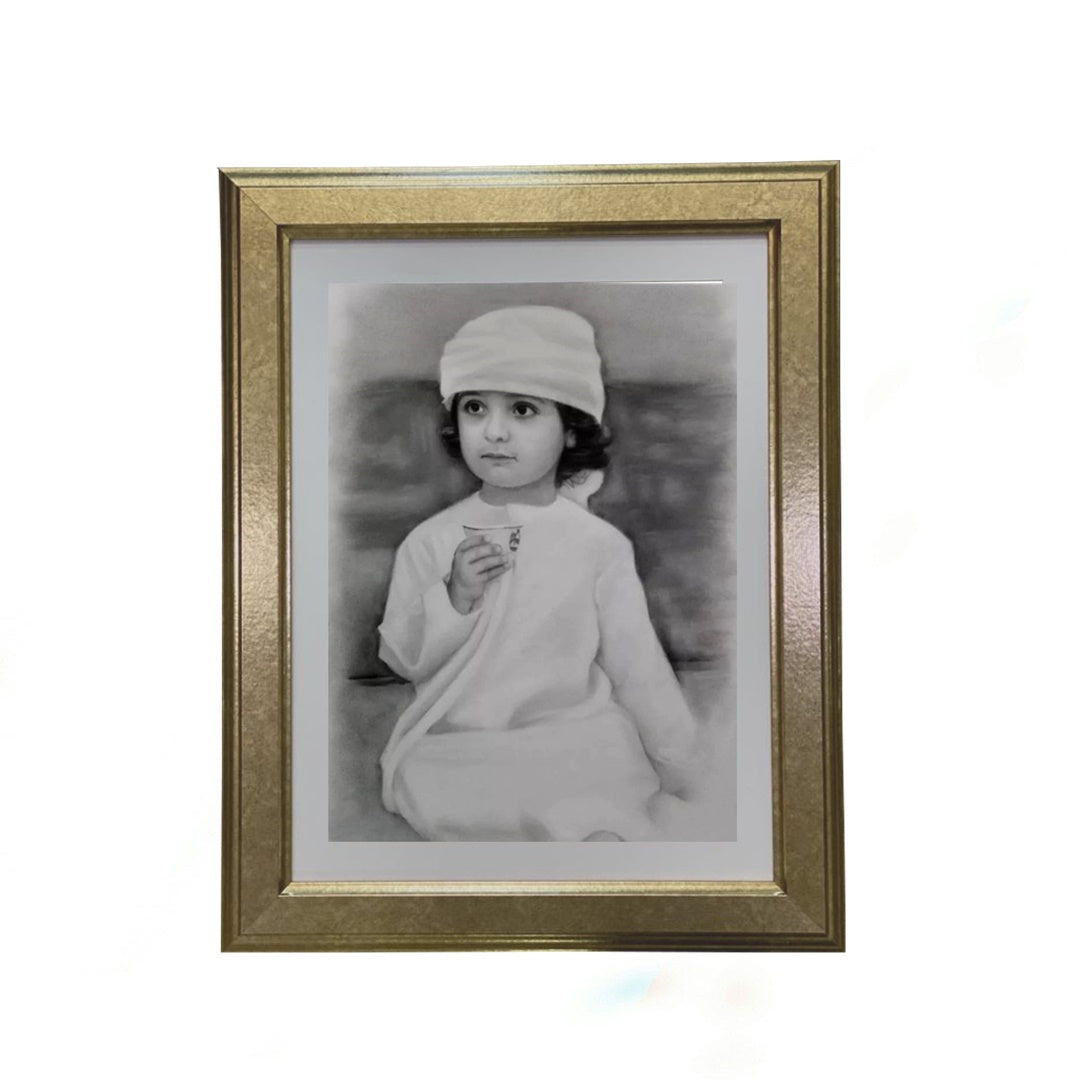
420 630
429 612
640 672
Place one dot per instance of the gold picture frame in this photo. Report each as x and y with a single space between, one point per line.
795 207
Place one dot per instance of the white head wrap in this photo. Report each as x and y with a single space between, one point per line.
544 352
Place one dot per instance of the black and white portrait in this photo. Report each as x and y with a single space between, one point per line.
532 562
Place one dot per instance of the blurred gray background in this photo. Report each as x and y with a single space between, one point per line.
668 352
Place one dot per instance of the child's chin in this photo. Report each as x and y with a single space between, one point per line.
500 479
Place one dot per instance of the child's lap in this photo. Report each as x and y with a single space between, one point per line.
548 780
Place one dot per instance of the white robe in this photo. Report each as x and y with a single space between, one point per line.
550 711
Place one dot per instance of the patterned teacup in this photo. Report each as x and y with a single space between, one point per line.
508 537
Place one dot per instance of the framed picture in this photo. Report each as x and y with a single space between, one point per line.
531 558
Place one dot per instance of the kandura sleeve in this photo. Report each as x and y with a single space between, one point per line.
640 672
421 629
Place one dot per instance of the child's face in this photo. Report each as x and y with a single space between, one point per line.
510 440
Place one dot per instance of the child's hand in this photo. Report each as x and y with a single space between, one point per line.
476 562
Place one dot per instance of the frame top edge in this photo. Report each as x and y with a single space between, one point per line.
243 177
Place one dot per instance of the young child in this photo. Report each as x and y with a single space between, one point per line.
545 708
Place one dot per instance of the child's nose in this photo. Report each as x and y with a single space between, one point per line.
495 428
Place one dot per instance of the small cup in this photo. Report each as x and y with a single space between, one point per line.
508 536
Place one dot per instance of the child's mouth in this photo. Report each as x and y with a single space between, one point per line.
497 457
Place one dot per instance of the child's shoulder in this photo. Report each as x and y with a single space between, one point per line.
596 531
455 514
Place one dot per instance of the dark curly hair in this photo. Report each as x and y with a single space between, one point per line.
591 440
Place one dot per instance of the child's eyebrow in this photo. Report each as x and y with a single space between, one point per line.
508 395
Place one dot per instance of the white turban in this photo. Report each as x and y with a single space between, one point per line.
540 351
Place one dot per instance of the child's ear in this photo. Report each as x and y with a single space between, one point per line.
571 440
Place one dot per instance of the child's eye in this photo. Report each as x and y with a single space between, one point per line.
472 407
524 408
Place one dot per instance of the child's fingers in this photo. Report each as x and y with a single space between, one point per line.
472 541
495 571
480 554
488 563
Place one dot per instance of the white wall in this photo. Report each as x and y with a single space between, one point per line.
954 127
